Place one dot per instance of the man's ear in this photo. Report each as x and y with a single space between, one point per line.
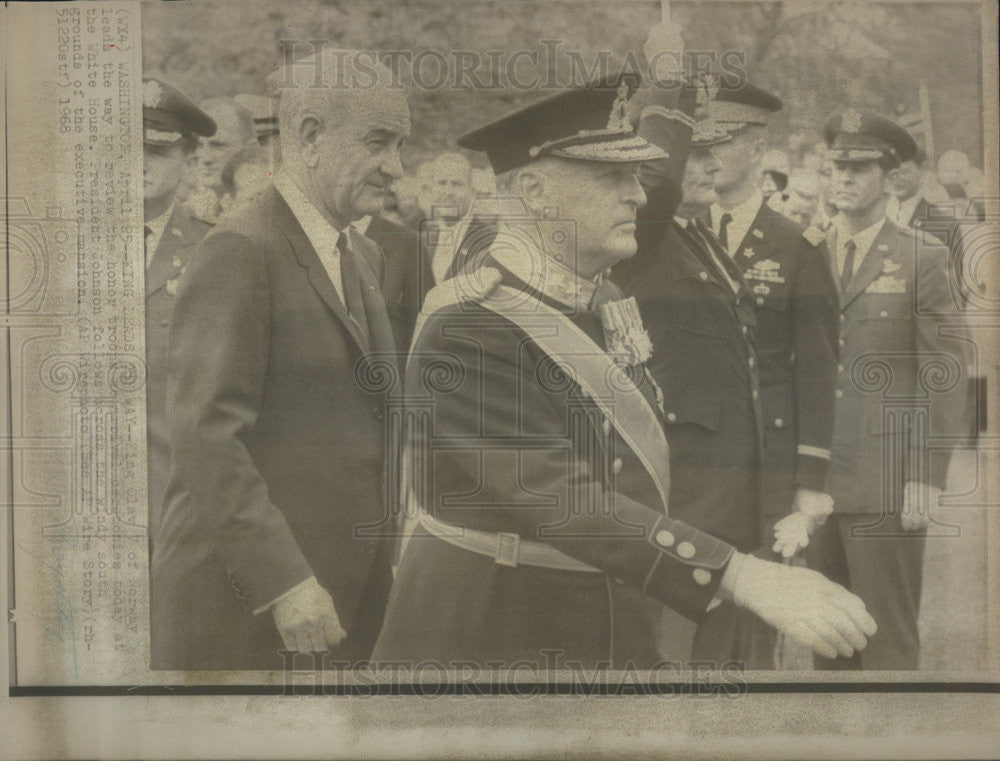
309 130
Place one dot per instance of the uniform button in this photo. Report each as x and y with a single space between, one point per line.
779 423
755 394
840 341
751 362
840 394
686 550
671 416
744 330
664 538
883 313
701 576
840 368
616 466
606 427
703 275
760 301
841 318
377 413
370 548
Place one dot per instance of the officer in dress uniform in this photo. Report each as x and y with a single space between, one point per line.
900 389
538 461
171 124
702 323
787 270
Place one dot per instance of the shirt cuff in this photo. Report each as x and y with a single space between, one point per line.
297 588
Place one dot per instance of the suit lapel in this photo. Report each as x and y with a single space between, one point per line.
871 265
307 258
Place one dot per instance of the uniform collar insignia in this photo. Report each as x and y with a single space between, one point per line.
748 252
524 259
757 234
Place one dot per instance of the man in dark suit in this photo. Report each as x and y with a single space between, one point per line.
787 269
539 464
275 409
900 390
404 274
171 125
702 323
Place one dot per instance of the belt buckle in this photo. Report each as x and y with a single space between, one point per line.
507 548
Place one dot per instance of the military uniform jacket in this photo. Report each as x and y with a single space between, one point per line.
705 360
514 445
278 446
901 381
173 253
788 271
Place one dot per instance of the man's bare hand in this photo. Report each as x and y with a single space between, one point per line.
805 605
918 501
307 620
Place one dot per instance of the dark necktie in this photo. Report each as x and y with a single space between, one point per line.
848 272
351 283
724 221
718 254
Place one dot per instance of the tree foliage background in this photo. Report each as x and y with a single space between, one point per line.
818 55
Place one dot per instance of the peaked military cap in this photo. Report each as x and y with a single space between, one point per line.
737 105
854 135
588 123
708 132
168 115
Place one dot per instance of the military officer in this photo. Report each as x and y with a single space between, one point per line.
900 389
171 124
702 323
787 269
543 538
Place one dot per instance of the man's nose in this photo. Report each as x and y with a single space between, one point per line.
393 166
634 193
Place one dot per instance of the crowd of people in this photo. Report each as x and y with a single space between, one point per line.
641 366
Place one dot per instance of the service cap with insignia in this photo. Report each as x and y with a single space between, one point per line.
855 135
737 105
264 111
168 115
588 123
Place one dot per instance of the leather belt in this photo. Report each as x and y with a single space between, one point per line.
505 549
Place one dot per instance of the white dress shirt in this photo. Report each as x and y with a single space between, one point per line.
862 241
321 234
743 217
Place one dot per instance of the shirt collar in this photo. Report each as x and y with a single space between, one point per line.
156 227
862 240
321 234
743 217
523 257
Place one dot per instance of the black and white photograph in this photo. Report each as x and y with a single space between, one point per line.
567 377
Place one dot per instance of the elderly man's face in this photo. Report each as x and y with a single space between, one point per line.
600 200
698 185
358 154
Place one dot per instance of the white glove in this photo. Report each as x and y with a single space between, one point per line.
918 500
307 620
803 604
664 51
792 532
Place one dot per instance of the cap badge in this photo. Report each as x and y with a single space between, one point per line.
851 121
618 120
707 87
152 93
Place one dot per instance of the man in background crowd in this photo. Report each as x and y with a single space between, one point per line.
171 126
218 158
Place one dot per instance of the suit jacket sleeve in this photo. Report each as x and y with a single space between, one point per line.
935 310
219 343
816 320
